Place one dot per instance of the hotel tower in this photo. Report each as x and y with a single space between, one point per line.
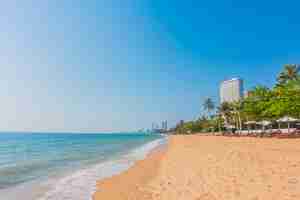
231 90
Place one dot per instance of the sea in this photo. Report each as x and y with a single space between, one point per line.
66 166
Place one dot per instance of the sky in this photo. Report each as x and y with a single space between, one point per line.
109 66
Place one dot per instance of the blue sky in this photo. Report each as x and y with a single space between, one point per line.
121 65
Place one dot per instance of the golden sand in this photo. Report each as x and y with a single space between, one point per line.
211 168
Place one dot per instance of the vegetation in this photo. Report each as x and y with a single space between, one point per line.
262 103
208 106
290 73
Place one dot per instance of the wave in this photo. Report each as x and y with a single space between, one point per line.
81 185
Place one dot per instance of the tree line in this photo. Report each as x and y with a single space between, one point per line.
261 103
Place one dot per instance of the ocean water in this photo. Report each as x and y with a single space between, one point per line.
45 166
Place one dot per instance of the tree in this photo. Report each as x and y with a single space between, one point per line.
256 105
208 105
286 101
289 73
293 84
218 122
237 107
225 110
263 103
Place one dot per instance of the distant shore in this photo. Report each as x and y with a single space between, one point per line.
198 167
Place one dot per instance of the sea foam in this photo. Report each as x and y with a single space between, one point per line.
81 184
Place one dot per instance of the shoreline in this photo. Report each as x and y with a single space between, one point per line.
106 188
196 167
82 183
79 182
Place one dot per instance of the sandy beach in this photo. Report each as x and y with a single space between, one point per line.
211 168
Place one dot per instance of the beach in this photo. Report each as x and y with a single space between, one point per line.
196 167
48 166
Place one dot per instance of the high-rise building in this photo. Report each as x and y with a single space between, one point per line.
231 90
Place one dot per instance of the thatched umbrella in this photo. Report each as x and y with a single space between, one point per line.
264 123
287 120
248 123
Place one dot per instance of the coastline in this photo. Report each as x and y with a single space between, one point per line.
196 167
79 181
81 184
126 185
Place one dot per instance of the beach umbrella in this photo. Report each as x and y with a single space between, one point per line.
264 123
288 120
248 123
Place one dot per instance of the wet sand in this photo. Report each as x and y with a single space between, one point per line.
211 168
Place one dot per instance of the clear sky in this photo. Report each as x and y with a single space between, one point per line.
120 65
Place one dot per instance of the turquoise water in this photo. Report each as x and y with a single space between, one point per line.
25 157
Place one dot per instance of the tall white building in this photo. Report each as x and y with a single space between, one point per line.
231 90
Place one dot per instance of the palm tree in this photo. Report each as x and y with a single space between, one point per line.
225 110
208 105
219 120
289 73
256 106
237 107
260 93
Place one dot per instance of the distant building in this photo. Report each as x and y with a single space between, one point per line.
164 125
231 90
162 129
247 94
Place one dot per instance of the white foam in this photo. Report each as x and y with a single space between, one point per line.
81 185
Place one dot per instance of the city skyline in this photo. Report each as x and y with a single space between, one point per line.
110 66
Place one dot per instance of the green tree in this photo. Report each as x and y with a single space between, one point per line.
208 106
262 104
237 109
205 124
218 122
257 103
225 110
293 84
289 73
286 102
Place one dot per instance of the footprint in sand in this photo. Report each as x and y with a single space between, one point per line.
206 196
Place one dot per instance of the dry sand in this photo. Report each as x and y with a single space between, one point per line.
211 168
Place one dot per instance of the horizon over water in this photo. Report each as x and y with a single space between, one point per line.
46 166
